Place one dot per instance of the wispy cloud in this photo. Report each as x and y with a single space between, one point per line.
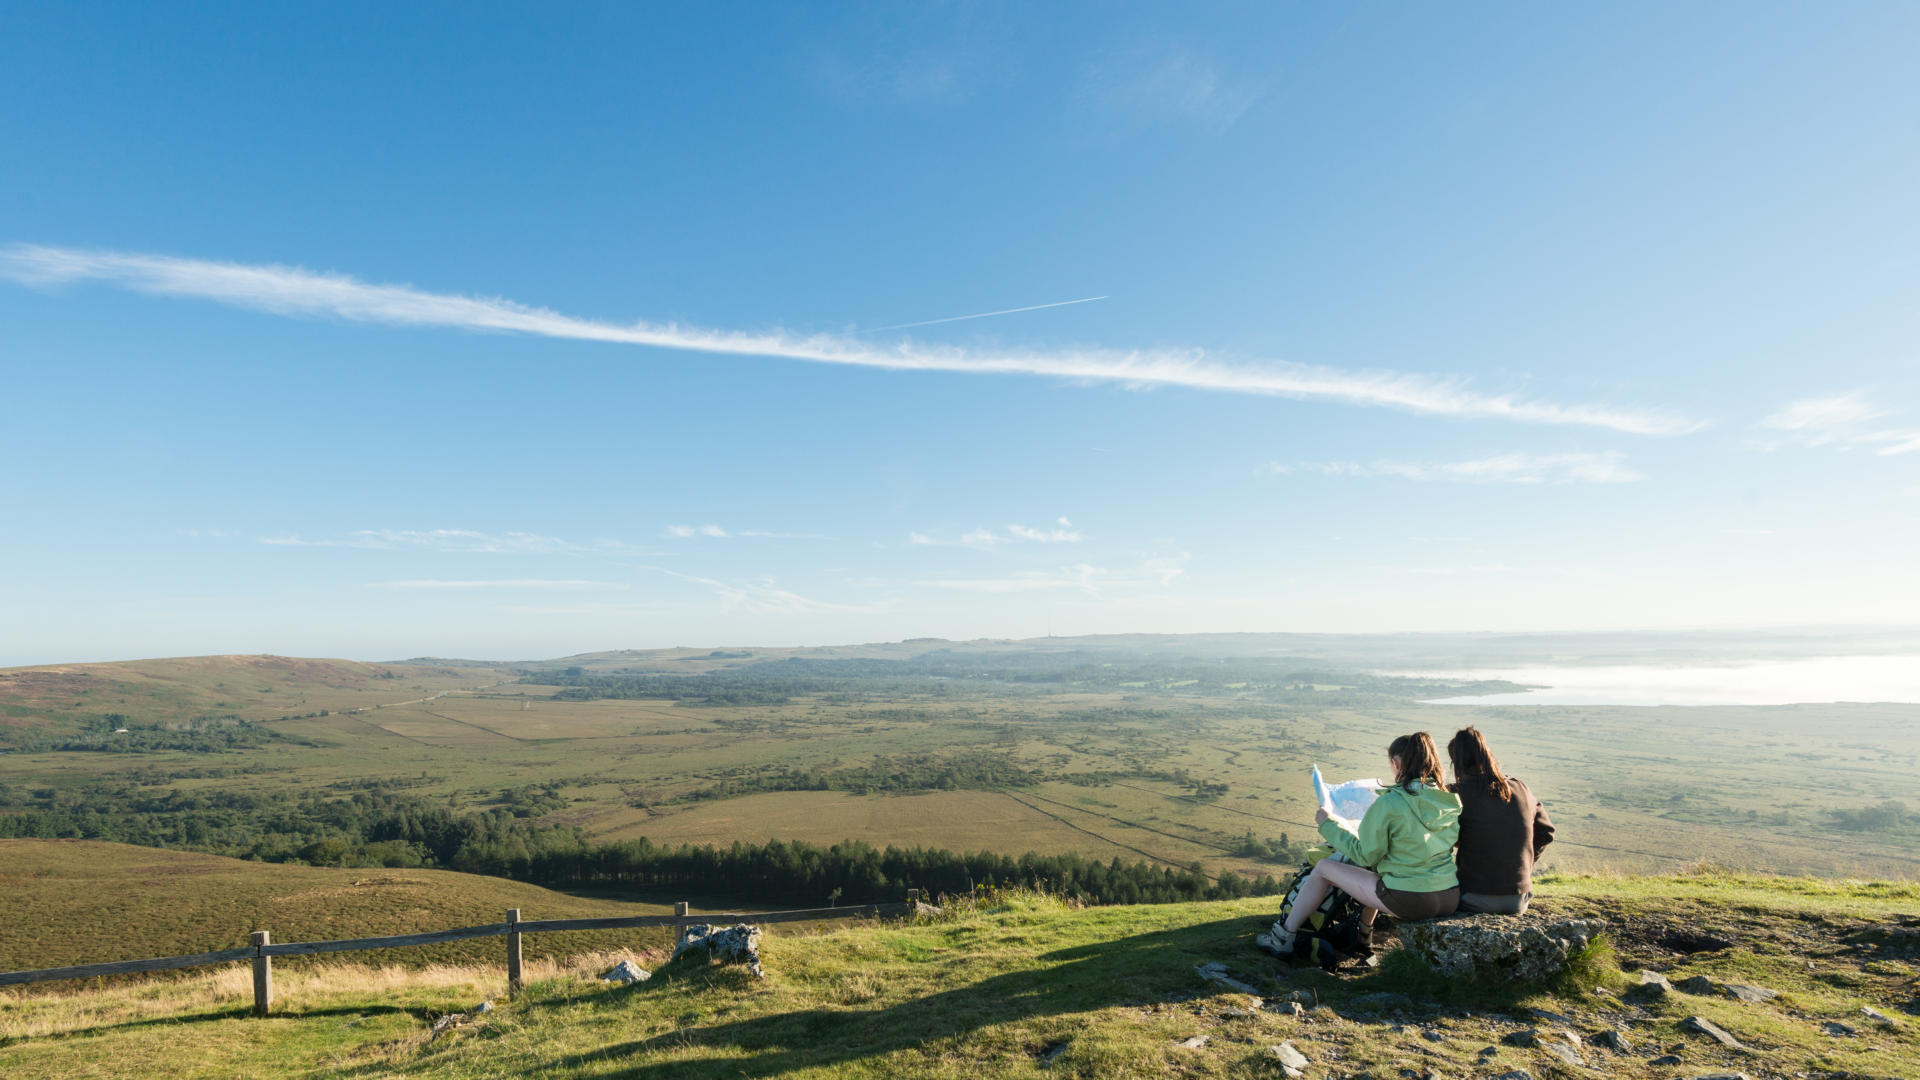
295 292
500 583
1167 85
1580 468
1843 421
765 596
463 541
1063 532
1075 577
1078 576
687 532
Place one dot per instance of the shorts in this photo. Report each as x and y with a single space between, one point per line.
1419 906
1482 904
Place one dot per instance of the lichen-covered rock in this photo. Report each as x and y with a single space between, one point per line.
1517 947
739 943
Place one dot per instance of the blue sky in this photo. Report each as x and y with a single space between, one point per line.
382 331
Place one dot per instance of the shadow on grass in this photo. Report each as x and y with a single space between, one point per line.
237 1012
1074 980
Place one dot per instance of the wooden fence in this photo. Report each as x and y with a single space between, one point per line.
262 950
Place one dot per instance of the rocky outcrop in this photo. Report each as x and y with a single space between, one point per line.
1515 947
739 944
624 972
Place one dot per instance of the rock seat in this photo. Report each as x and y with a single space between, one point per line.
739 943
1521 948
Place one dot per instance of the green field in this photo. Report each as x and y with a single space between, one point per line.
1028 987
1116 746
71 902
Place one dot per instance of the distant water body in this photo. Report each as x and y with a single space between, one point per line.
1760 682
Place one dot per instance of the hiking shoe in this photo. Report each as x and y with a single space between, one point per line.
1279 941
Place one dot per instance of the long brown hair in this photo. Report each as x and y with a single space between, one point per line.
1472 761
1419 760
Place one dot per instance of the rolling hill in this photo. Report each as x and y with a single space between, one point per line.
1022 986
72 902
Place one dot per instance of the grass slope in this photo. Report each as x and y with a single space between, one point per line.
1028 988
82 902
177 689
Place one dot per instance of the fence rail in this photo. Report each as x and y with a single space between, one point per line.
262 950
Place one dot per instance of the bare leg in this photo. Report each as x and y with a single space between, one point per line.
1357 881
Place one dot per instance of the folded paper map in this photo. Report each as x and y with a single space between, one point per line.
1346 802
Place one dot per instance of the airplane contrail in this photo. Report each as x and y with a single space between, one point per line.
291 291
982 315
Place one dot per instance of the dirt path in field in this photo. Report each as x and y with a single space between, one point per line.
1104 839
424 700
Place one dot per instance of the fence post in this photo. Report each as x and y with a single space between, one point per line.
680 908
515 980
262 974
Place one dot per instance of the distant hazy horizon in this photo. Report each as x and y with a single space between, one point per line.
1702 666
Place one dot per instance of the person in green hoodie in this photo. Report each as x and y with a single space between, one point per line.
1401 859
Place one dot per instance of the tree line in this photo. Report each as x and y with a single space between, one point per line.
398 829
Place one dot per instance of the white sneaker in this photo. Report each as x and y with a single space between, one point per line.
1279 941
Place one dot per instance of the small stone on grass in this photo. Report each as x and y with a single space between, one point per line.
1613 1039
1289 1055
1565 1053
1712 1030
1520 1038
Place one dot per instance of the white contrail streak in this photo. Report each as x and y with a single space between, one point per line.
287 290
982 315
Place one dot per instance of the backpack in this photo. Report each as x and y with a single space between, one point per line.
1333 933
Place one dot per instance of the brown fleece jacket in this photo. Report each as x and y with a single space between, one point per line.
1499 840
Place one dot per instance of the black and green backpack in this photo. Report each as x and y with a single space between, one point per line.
1333 933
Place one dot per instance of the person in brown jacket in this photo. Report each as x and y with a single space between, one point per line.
1502 830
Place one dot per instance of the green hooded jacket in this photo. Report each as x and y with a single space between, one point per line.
1406 837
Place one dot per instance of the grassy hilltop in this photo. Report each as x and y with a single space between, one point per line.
1024 986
